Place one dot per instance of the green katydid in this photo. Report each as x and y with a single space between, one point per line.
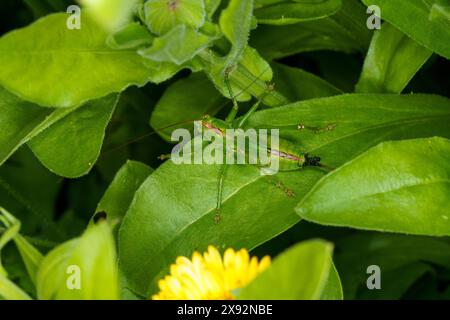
289 155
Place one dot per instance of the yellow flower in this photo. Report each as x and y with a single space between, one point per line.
209 276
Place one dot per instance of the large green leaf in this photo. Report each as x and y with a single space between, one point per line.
392 60
300 273
53 66
426 21
71 146
173 212
94 255
289 12
401 186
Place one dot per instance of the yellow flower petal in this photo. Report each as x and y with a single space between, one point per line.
209 276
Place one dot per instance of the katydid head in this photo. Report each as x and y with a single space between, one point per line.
312 161
210 123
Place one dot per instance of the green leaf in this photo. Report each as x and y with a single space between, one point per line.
51 65
30 255
118 196
289 12
395 254
162 15
333 286
186 100
9 291
177 46
166 70
344 31
297 84
173 211
133 35
426 21
93 255
387 188
52 272
71 146
307 265
391 62
7 235
18 120
235 22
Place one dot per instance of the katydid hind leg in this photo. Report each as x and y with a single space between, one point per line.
281 186
222 176
245 117
255 107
